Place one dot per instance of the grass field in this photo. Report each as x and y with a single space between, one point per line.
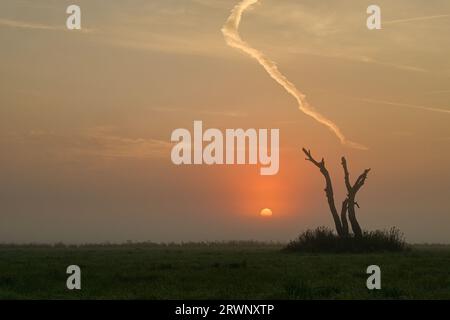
219 271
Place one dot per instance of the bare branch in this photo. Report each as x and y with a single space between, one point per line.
309 157
360 181
346 174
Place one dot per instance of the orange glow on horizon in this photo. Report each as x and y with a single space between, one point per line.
284 194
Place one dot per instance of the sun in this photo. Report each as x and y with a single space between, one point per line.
266 212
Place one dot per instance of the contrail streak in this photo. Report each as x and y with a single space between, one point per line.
417 19
231 33
406 105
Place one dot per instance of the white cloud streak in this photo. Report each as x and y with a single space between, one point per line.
231 33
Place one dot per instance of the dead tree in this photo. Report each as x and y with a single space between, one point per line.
348 205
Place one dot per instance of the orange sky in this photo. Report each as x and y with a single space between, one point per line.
86 118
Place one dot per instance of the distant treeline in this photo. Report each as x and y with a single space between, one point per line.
150 244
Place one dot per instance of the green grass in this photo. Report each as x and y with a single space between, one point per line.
219 271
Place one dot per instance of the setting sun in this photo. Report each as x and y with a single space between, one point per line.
266 212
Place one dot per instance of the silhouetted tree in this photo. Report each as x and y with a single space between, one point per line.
348 205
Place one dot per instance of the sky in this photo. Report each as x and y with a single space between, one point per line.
86 118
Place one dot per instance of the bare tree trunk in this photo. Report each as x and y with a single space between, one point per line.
351 194
344 217
328 190
352 217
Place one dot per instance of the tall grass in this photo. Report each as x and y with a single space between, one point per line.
323 240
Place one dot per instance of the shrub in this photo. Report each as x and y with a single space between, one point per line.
324 239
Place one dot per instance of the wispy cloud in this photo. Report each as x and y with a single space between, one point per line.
8 23
358 59
403 133
108 144
390 64
440 16
309 29
225 113
437 92
404 105
91 142
27 25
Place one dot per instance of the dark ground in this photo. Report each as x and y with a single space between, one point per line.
219 271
